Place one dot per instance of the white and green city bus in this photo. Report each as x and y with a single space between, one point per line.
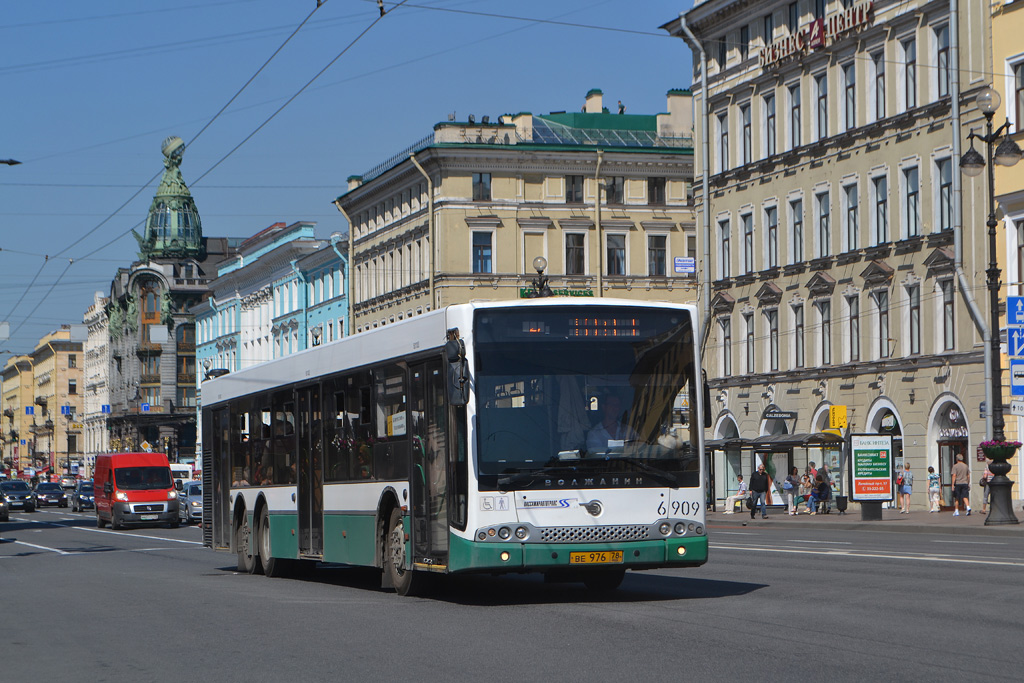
554 435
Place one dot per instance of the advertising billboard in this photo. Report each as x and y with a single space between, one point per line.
871 468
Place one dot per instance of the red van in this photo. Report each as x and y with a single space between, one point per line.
134 488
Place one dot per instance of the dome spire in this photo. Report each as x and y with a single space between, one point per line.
173 229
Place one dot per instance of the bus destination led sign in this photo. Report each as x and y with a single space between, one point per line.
815 34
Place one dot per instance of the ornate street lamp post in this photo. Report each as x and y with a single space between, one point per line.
972 164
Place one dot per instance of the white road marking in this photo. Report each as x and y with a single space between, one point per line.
736 533
857 553
41 547
800 540
971 542
125 533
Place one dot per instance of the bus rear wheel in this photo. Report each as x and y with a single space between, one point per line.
272 566
394 556
603 579
243 547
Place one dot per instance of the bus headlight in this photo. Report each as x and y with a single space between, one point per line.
680 528
681 550
504 533
664 528
522 532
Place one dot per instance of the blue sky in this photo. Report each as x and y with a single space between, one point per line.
90 90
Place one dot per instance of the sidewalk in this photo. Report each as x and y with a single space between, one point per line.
916 521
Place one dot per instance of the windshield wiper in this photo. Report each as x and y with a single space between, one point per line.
659 474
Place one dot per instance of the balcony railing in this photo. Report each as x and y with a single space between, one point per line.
186 347
186 378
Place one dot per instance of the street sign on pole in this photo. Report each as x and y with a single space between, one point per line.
1015 310
1016 377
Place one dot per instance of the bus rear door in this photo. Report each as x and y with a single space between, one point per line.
310 473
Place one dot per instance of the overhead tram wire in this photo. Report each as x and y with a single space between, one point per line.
217 163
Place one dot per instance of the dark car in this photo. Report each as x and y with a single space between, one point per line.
190 502
82 497
18 495
50 493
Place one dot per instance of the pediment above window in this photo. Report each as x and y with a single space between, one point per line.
769 294
877 273
723 302
821 284
941 260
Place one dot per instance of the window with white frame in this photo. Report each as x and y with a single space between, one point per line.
772 318
878 69
821 93
482 257
796 220
724 257
747 221
911 208
769 125
771 224
824 224
1018 96
851 217
948 320
853 327
880 216
769 28
726 324
575 253
747 139
881 299
616 254
657 255
850 95
942 60
908 93
794 116
914 319
748 320
944 190
744 42
723 142
825 331
798 336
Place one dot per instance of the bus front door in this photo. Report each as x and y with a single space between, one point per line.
429 464
310 474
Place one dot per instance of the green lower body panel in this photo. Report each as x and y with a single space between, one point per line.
468 556
284 535
350 539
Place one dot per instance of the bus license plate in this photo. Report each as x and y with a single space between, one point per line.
146 518
597 557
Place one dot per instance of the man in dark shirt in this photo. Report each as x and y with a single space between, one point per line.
759 491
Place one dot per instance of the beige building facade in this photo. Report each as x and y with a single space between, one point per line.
846 257
18 395
604 198
57 387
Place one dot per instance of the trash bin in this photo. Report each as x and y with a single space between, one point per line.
841 502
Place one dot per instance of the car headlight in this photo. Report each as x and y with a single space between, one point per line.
121 496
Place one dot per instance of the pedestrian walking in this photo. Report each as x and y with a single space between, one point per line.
934 490
741 494
790 489
758 491
984 481
905 480
961 478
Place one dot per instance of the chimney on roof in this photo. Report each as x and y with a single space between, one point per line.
354 181
594 103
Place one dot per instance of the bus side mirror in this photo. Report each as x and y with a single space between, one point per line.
707 400
458 376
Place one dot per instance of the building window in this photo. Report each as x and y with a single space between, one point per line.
794 116
616 254
769 125
881 192
798 336
656 191
882 304
72 360
878 60
911 208
657 255
150 395
914 320
853 303
73 443
824 225
821 85
613 189
723 53
825 313
744 42
769 28
748 243
793 17
726 324
724 255
723 141
575 263
773 339
481 187
72 386
945 173
573 189
850 99
747 139
771 220
482 252
909 73
796 213
819 9
186 397
748 319
948 331
942 59
1018 95
852 231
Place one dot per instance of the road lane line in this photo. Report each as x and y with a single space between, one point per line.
130 535
41 547
801 540
855 553
972 542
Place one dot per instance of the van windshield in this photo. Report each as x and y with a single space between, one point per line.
142 478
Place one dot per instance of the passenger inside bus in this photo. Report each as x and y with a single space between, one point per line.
611 432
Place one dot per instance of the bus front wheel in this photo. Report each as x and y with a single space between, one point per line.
394 555
272 566
243 547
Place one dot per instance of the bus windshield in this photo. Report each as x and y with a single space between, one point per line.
602 394
142 478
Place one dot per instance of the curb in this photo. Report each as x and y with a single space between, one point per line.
892 525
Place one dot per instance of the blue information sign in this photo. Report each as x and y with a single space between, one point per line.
1015 310
1016 377
145 407
65 410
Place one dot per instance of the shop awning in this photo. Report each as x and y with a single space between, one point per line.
771 441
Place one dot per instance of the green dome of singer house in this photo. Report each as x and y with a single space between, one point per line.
172 227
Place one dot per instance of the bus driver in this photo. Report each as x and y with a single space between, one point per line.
610 432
